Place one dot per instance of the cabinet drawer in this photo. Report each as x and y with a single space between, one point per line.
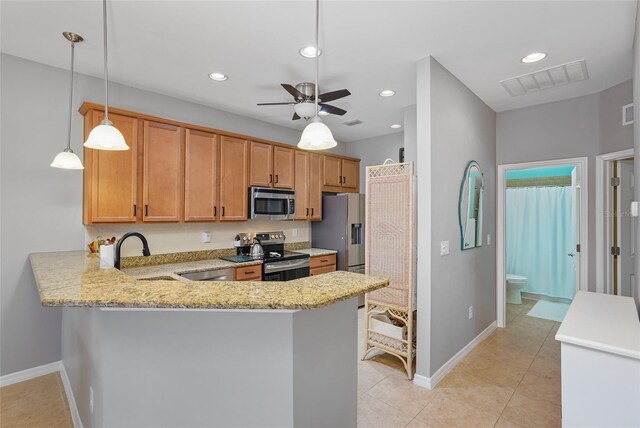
321 261
249 273
323 269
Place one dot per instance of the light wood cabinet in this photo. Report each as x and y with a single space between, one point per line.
111 177
201 195
248 273
322 264
340 175
260 164
162 173
233 179
315 186
271 166
308 185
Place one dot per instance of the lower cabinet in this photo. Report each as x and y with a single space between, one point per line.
249 273
322 264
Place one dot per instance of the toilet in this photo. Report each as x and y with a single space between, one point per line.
515 284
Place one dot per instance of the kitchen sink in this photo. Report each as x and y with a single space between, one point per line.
157 278
210 275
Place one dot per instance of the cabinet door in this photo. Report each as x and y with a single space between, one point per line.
201 176
331 172
315 186
303 210
261 162
162 177
350 174
283 167
110 177
233 179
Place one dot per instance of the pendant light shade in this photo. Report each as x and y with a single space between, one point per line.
317 136
106 136
67 159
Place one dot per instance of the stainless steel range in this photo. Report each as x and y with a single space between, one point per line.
278 264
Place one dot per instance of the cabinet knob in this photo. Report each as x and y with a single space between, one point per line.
311 211
135 210
146 210
222 211
270 178
215 211
276 178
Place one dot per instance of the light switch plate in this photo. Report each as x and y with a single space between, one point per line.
444 248
634 208
294 232
206 237
488 239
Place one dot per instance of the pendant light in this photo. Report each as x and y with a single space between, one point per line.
67 159
106 136
317 135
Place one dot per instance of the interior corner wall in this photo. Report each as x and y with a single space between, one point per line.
42 206
410 137
463 128
636 140
578 127
374 151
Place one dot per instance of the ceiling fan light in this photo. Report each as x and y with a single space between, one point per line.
316 136
67 160
305 109
106 137
323 113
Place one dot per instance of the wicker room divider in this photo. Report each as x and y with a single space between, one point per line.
390 253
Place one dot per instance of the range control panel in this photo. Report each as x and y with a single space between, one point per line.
265 238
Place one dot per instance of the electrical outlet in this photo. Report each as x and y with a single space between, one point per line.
470 312
488 239
294 232
206 237
91 399
444 248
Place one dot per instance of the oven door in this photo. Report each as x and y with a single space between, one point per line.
285 270
272 204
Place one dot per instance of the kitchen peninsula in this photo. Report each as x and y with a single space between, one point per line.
164 352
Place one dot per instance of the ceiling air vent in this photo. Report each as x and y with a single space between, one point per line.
353 122
564 74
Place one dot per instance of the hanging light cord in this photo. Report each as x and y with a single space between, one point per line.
106 68
68 149
317 51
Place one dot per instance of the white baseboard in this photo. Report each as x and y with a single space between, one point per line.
431 382
73 408
29 374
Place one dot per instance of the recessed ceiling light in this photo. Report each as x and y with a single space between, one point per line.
533 57
396 126
218 77
387 93
309 52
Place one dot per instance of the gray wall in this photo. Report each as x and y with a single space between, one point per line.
463 128
579 127
42 206
636 141
374 151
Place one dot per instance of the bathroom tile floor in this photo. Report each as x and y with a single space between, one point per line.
511 379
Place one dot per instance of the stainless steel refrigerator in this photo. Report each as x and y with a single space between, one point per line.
342 229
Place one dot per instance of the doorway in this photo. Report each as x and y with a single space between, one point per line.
616 247
541 236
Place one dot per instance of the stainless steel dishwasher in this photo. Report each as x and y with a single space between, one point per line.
227 274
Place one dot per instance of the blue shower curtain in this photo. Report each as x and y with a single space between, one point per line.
540 234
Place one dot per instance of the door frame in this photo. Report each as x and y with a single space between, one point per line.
583 182
603 205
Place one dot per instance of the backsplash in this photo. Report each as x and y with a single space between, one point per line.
173 238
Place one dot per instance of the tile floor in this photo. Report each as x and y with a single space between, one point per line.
512 379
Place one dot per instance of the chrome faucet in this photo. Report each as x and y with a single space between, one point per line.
145 246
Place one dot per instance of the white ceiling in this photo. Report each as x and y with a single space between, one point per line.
170 47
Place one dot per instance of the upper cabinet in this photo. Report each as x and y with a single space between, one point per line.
178 172
233 179
271 166
340 174
111 177
162 173
201 171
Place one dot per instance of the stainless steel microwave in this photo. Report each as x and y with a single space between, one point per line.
272 204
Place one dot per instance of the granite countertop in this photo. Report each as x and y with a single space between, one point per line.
313 252
75 279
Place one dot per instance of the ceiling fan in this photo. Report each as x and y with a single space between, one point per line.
304 100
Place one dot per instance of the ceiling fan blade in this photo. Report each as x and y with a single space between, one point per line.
275 104
295 116
293 91
334 95
332 110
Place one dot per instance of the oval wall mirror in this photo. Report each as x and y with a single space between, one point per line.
470 207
